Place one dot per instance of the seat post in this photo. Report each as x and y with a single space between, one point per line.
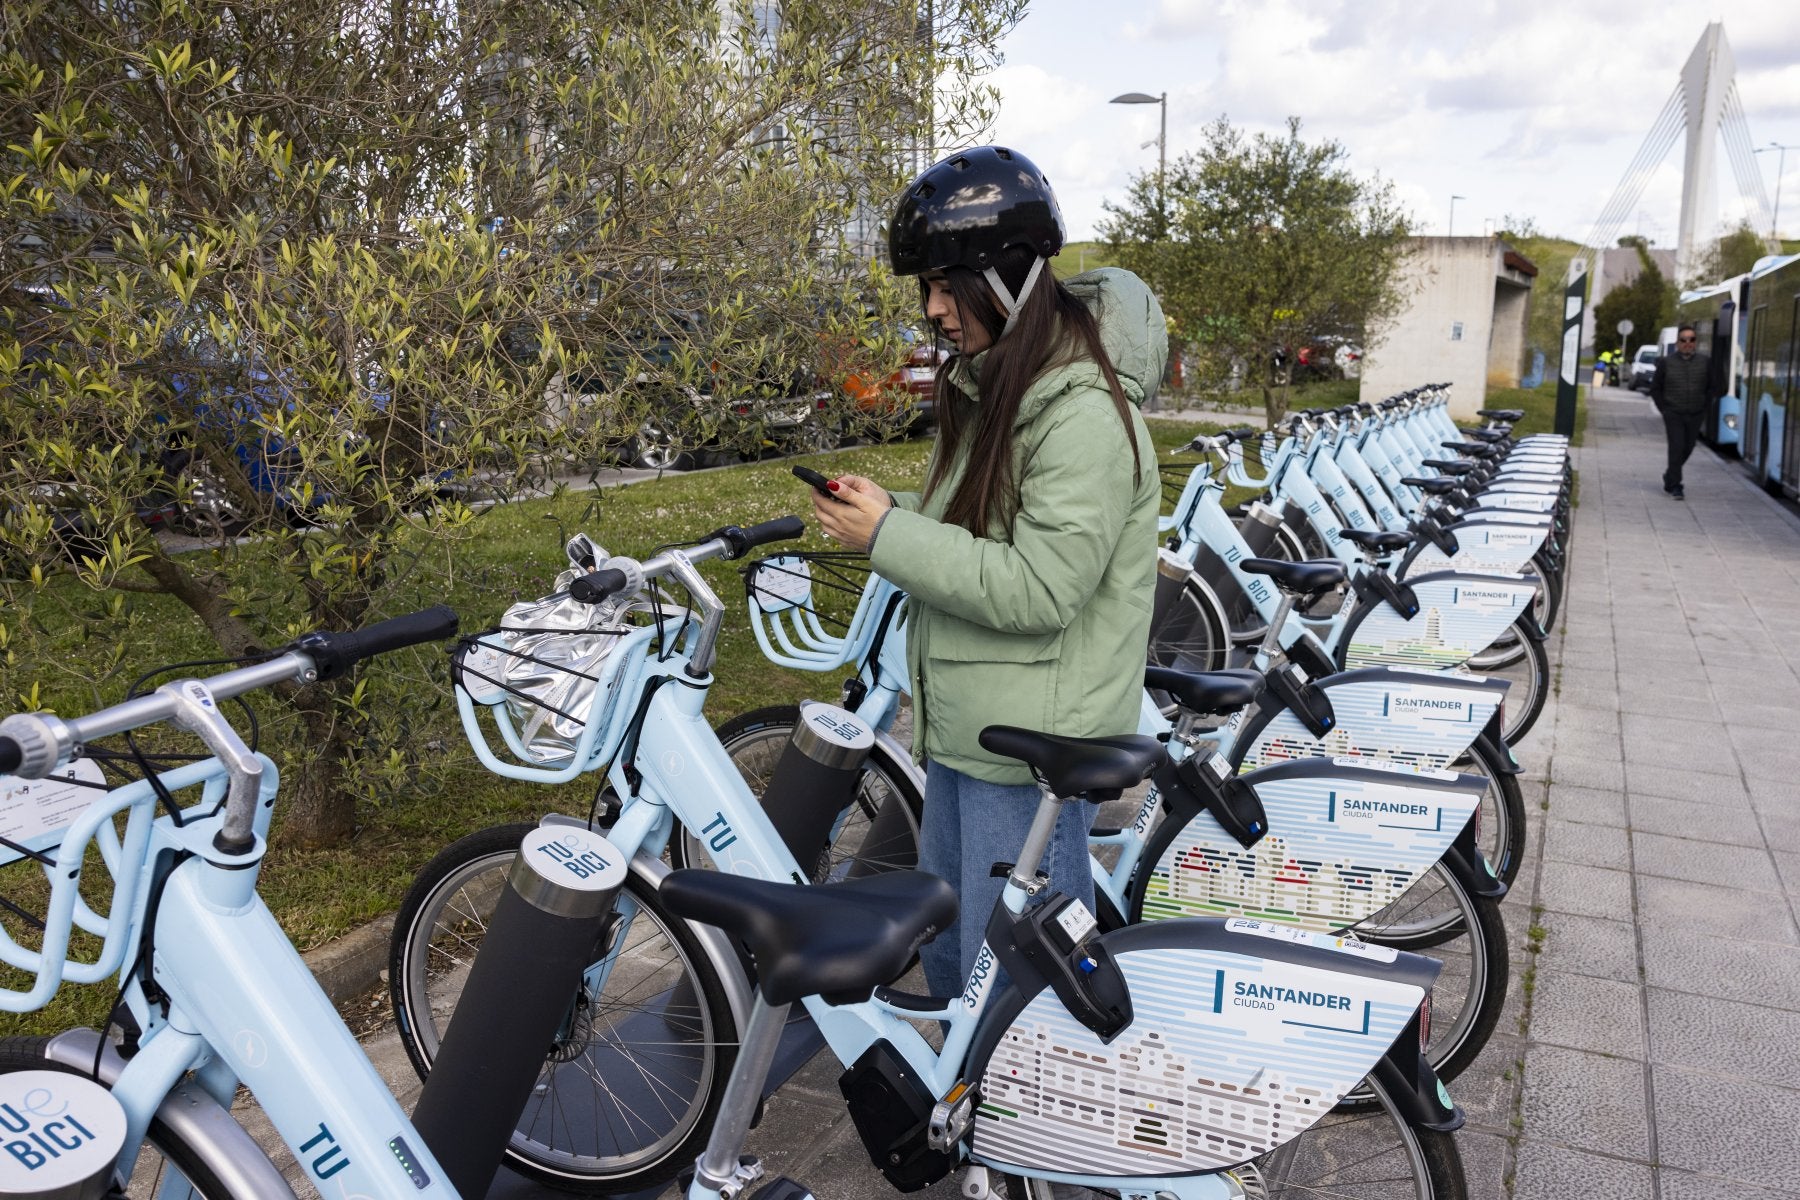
1271 643
718 1165
1024 875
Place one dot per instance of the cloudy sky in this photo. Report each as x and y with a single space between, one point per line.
1521 107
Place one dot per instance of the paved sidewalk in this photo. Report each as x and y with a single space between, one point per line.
1661 1055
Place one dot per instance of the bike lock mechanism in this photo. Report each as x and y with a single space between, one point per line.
814 782
62 1133
542 936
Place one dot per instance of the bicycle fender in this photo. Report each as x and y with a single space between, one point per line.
1414 1086
191 1114
1465 861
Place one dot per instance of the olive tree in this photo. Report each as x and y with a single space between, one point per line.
312 278
1258 244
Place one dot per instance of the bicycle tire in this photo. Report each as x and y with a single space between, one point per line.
149 1179
1530 666
662 1022
1339 1144
1191 636
1503 816
1478 988
755 740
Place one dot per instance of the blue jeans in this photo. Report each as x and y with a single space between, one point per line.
969 826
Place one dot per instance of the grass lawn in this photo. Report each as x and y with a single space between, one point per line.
90 656
1539 404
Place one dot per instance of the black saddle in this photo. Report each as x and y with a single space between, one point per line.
1501 414
1472 449
1100 768
835 940
1449 466
1489 435
1379 541
1298 578
1436 487
1206 693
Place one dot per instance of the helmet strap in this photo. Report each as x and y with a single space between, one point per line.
1008 302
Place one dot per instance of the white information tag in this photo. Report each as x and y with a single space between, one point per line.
35 812
781 583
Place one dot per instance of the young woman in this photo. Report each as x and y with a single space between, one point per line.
1030 557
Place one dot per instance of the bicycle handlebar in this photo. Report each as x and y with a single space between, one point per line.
596 586
743 541
335 653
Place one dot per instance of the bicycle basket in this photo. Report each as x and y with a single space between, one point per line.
545 669
802 611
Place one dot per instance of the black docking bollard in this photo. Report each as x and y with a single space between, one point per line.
520 989
815 779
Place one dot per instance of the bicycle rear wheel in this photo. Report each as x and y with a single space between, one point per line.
167 1167
630 1089
1190 636
1519 659
1374 1155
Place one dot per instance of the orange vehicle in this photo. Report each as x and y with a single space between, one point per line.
905 395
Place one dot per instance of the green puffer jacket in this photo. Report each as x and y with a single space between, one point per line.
1043 625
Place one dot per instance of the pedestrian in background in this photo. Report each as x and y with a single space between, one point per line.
1680 389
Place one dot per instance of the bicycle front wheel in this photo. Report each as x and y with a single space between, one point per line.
1376 1154
630 1088
1519 659
167 1167
879 831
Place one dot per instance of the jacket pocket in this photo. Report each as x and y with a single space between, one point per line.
956 640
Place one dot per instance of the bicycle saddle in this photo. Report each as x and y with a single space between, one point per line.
1449 466
1380 541
1472 449
1437 487
1490 435
1208 693
1100 767
1501 414
1298 578
836 940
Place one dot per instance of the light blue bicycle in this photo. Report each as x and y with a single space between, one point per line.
1033 1080
213 993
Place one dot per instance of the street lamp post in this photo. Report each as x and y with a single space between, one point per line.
1450 230
1162 143
1780 164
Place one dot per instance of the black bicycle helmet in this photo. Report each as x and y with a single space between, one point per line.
966 209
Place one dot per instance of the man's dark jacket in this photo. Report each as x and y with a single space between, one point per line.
1682 385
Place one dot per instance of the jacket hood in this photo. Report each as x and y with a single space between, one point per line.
1132 329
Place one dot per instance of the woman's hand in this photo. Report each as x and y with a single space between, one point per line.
849 516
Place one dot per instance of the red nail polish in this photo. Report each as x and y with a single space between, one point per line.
832 484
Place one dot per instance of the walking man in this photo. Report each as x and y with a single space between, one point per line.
1680 390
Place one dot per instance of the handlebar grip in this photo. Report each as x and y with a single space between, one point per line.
11 755
596 586
1243 433
335 653
743 541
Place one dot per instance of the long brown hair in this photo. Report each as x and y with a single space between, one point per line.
1054 328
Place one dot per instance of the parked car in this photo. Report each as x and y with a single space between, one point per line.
1643 367
906 397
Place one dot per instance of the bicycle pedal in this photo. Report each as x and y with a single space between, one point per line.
951 1117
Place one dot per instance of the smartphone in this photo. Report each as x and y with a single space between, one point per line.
820 483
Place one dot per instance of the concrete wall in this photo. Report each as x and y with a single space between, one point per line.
1464 323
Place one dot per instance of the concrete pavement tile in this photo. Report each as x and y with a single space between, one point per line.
1588 773
1484 1158
1716 1125
1587 946
1586 891
1680 1185
1704 862
1549 1172
1732 912
1579 744
1722 1036
1588 697
1641 696
1773 796
1587 1101
1590 678
1646 752
1695 822
1587 720
1778 763
1675 783
795 1133
1487 1088
1585 1013
1590 845
1787 865
1781 832
1681 730
1594 806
